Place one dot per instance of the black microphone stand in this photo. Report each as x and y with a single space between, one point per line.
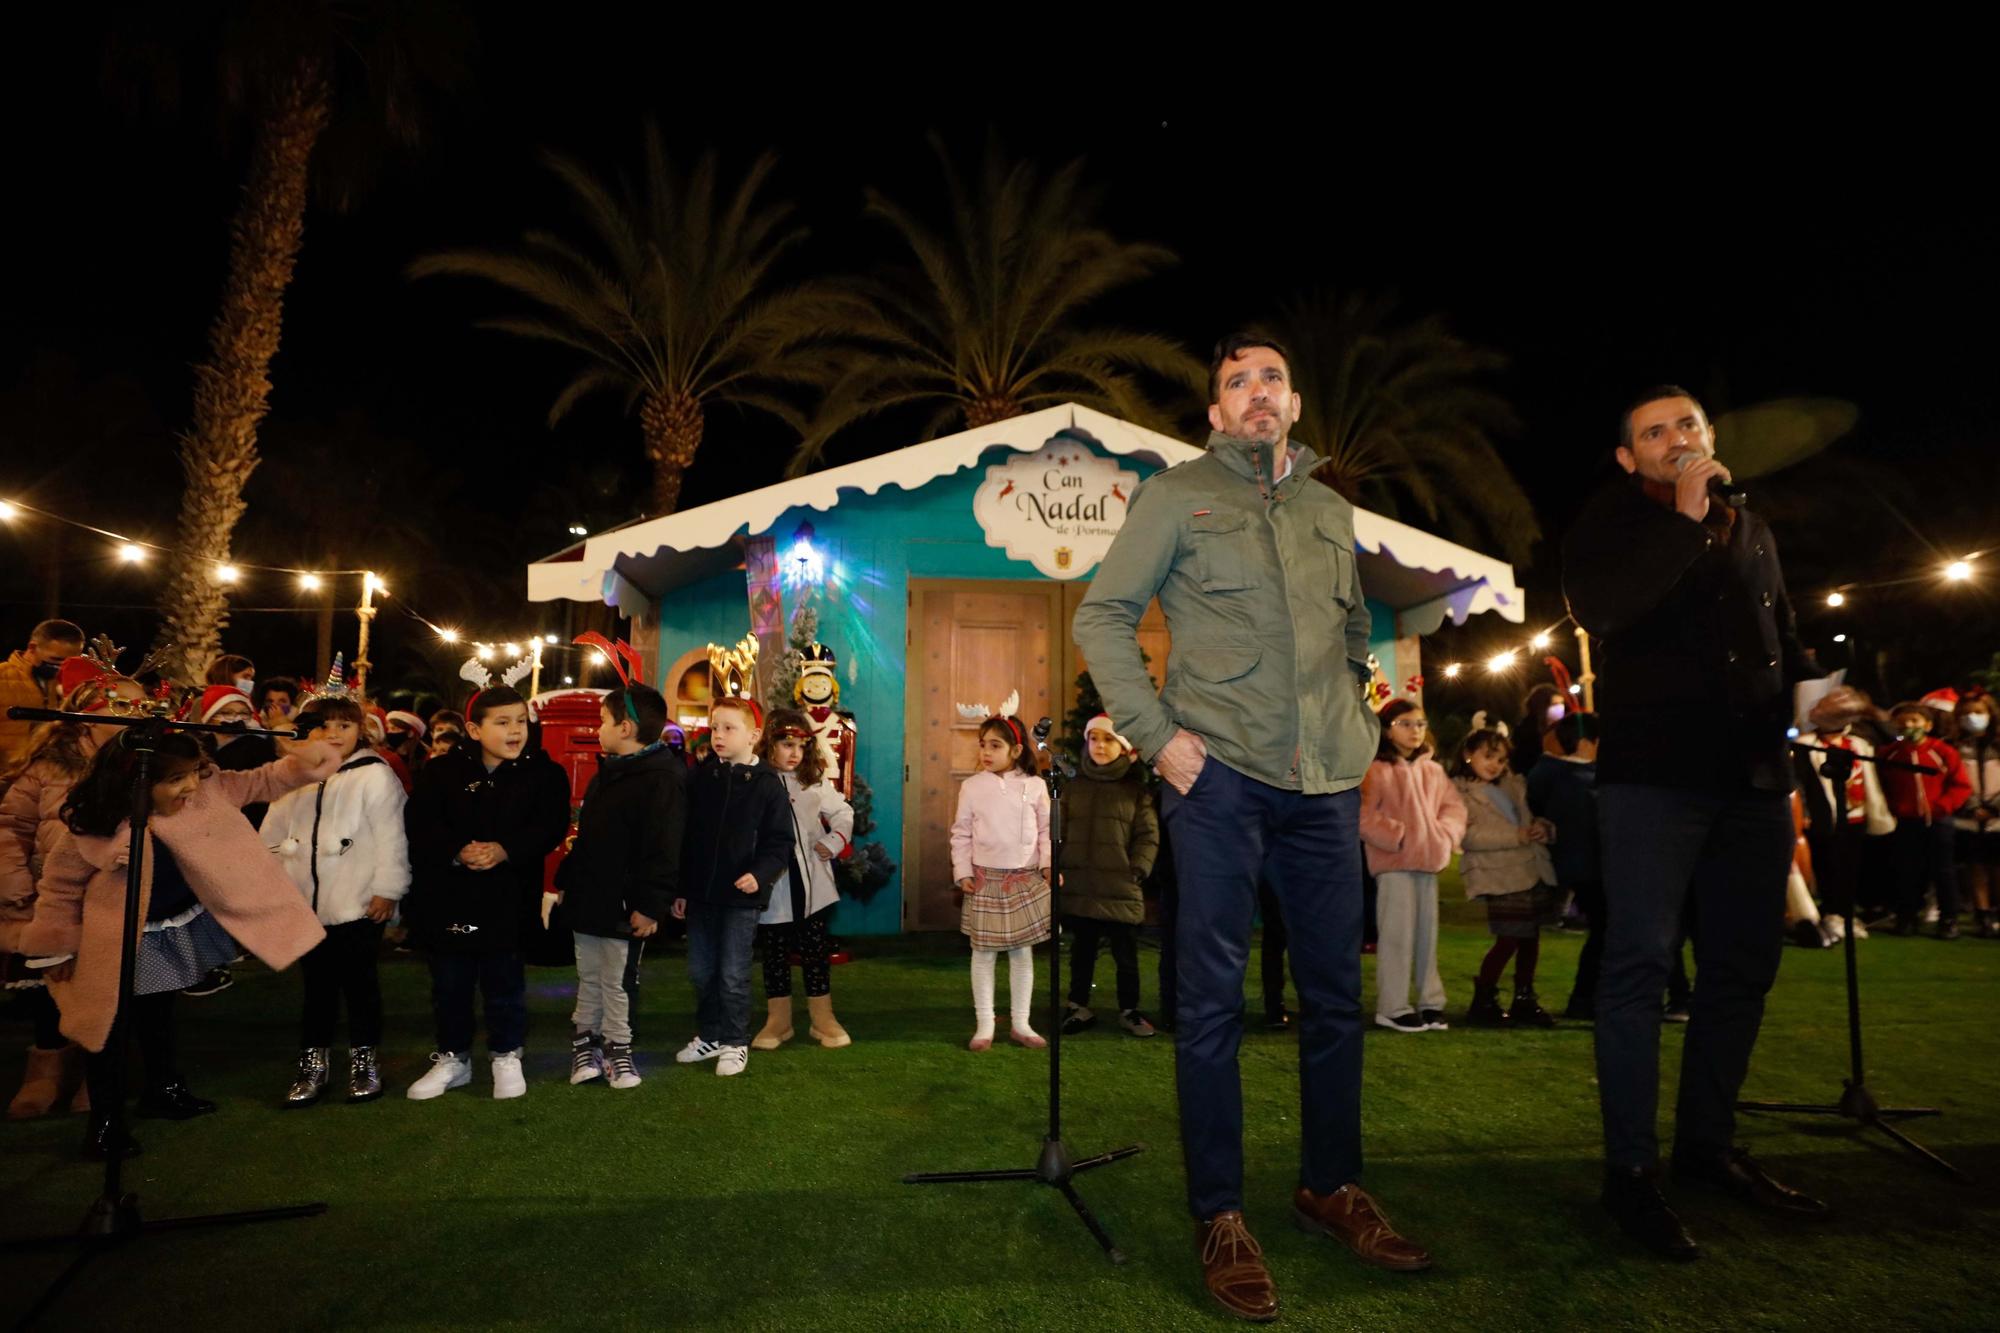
113 1216
1856 1102
1055 1168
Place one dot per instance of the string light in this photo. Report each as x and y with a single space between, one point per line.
227 573
1451 671
483 652
548 638
1500 662
578 530
1840 638
310 582
14 509
597 656
448 635
513 650
1540 641
1510 658
569 680
1836 599
132 554
7 512
1958 571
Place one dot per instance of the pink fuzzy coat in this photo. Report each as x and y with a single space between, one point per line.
80 902
29 826
1411 815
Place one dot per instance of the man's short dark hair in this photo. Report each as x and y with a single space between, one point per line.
647 709
57 631
1652 395
1235 345
1574 730
260 693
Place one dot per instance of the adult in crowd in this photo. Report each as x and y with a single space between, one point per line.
1262 739
276 699
232 669
1699 656
28 680
1978 820
1534 737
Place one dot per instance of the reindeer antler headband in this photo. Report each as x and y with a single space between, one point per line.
1008 707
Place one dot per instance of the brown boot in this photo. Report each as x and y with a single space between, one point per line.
41 1085
1232 1268
1350 1216
778 1027
825 1028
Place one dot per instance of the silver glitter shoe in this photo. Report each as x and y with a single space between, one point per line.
311 1080
364 1080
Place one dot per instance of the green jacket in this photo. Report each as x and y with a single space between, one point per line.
1111 836
1263 599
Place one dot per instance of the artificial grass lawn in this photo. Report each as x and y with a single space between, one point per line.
775 1200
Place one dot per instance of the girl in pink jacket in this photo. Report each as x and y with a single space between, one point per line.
1411 818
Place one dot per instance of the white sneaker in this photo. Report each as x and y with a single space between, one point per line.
622 1070
508 1080
448 1071
731 1060
696 1051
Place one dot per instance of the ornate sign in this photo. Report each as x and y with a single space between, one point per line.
1057 508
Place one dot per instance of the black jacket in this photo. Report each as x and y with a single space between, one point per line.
1564 792
627 853
1700 650
523 805
739 819
243 753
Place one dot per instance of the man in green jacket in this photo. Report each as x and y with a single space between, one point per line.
1262 739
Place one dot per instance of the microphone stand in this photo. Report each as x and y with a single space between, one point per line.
1055 1168
113 1216
1856 1102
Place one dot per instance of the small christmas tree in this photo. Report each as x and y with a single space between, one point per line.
785 673
860 875
1089 703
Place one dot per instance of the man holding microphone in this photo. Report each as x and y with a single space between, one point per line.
1699 656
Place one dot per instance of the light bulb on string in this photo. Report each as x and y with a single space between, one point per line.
132 554
8 513
1836 599
483 652
548 638
1840 638
448 635
513 650
597 656
1539 642
227 573
1500 661
1451 672
1958 571
309 582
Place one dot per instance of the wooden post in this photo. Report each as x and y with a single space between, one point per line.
366 611
1589 678
767 610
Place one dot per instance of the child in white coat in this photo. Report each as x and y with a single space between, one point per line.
796 920
342 842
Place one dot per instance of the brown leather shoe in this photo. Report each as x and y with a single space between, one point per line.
1350 1216
1232 1267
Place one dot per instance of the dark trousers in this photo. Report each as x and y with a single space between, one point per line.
501 981
808 939
152 1019
1590 902
1229 831
719 941
1169 912
342 967
46 1017
1926 855
1121 938
1275 943
1729 853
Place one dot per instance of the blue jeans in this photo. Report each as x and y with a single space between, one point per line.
1730 853
1228 831
719 940
500 978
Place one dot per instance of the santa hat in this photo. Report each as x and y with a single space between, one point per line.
1102 722
408 721
215 696
1941 701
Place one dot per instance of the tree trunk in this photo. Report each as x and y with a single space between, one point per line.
985 411
232 388
672 427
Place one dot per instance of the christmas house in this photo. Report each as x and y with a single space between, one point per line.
942 572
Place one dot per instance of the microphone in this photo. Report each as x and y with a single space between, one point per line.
1726 492
1042 730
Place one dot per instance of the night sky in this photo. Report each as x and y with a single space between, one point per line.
1755 248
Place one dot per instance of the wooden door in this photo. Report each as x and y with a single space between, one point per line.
1154 641
972 643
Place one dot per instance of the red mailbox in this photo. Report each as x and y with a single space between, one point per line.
569 736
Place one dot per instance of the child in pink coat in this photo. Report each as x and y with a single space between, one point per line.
1411 818
204 878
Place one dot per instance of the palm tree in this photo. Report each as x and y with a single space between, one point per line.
985 325
1403 414
670 299
303 72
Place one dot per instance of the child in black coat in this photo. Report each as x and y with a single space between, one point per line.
622 871
481 822
739 844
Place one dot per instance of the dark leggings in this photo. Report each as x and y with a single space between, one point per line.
1122 938
47 1019
342 966
808 937
153 1034
1525 953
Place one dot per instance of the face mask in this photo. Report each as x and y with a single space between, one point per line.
1556 713
1915 733
1975 723
244 683
44 672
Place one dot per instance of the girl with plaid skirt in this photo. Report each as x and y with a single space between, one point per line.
1505 860
1000 860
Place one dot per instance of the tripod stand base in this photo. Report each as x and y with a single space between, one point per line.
1858 1104
1056 1169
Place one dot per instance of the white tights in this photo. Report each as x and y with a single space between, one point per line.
1020 988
